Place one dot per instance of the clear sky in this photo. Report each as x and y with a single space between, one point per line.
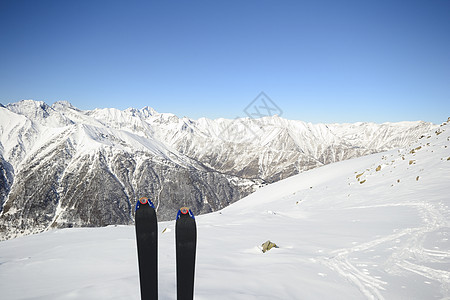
319 61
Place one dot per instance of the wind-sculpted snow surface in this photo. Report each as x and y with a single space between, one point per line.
376 227
64 167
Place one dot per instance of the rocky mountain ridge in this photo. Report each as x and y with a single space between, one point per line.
63 167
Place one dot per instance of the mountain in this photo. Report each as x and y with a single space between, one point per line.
64 167
374 227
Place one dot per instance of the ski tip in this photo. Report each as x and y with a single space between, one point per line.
185 211
144 201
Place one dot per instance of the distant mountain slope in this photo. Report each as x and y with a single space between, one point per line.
272 148
63 167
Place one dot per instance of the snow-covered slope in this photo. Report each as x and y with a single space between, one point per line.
375 227
273 148
64 167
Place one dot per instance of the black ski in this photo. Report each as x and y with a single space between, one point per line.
186 241
147 247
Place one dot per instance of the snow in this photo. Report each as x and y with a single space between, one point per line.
383 235
281 147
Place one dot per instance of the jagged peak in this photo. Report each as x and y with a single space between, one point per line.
29 103
148 111
63 104
39 112
30 108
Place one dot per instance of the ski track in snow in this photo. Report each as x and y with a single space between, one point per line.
367 284
411 246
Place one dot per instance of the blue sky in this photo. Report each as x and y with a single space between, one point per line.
319 61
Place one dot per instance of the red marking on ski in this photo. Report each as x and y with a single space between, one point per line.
143 200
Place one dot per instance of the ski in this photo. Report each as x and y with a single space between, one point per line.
147 247
185 241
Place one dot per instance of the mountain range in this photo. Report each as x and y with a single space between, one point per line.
373 227
65 167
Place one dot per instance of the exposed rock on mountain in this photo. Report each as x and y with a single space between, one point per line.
63 167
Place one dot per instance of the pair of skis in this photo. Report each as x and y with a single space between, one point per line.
147 247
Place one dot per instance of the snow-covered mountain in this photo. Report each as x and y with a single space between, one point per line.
64 167
374 227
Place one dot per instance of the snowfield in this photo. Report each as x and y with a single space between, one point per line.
376 227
